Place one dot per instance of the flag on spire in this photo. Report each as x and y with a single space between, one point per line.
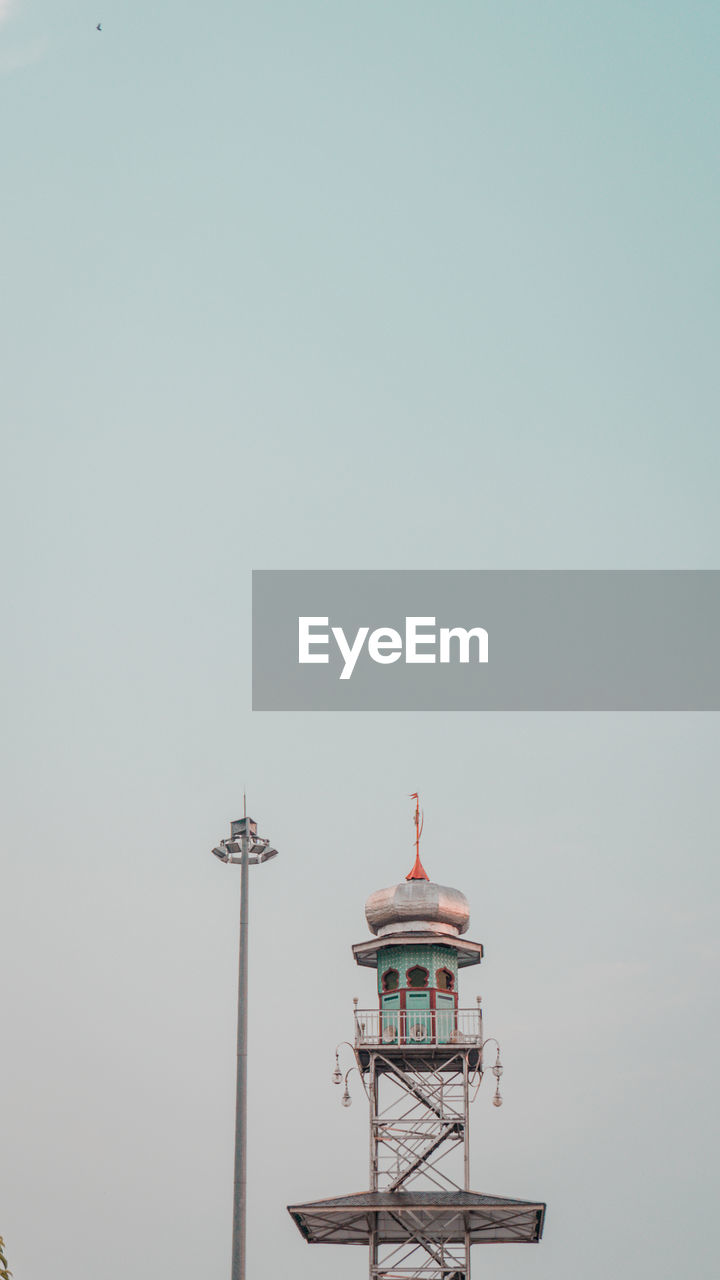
418 872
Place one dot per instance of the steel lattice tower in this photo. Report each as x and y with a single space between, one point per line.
420 1059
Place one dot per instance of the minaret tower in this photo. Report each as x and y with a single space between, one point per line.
421 1059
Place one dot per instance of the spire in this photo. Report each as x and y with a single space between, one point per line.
418 872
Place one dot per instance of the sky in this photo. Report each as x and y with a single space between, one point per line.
314 286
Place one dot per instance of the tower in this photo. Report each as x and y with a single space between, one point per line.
420 1057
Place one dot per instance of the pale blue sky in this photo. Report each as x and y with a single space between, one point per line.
321 286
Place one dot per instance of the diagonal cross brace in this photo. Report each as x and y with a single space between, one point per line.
409 1084
449 1131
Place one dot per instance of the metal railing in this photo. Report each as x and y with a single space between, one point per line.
417 1026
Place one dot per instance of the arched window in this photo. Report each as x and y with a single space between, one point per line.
445 980
417 976
390 980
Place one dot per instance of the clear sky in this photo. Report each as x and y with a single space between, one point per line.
328 285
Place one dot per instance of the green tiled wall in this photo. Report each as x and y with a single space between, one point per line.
432 957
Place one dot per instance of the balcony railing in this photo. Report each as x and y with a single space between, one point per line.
417 1027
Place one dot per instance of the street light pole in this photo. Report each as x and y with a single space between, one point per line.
252 849
240 1197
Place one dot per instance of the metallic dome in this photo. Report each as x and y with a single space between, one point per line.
417 906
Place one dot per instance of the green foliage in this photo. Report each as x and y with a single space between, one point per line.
4 1273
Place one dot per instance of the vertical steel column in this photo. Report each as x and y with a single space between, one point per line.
372 1254
373 1092
239 1215
373 1095
466 1153
466 1122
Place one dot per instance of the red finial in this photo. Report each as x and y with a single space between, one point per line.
418 872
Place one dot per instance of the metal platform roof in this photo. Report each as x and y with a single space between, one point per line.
366 953
443 1216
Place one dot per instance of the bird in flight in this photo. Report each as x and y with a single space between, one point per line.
99 26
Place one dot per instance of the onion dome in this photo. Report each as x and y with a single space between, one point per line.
417 906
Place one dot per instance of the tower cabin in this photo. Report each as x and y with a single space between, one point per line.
418 952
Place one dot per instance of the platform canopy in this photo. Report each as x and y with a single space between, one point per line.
366 953
399 1215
